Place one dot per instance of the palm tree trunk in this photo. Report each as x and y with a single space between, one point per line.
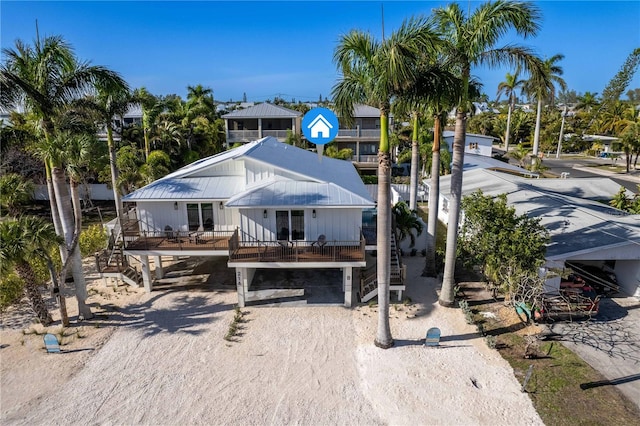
415 160
114 173
508 132
64 203
58 291
434 194
383 335
455 198
536 134
25 272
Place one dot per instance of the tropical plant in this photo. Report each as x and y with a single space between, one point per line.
498 240
541 86
372 73
620 201
406 221
509 87
45 78
470 40
15 192
22 240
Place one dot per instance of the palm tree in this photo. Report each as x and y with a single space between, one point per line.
470 40
406 220
541 86
151 108
110 103
372 73
45 78
21 240
509 87
15 191
587 102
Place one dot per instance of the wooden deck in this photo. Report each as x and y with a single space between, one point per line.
205 241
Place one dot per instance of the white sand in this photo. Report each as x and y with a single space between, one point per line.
164 361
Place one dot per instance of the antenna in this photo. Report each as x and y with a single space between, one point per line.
382 13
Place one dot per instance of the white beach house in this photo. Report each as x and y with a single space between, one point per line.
264 205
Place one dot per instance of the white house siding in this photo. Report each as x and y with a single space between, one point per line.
257 172
226 168
336 224
155 216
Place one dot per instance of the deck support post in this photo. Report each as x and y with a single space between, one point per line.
146 274
347 285
157 260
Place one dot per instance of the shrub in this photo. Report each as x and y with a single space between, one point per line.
92 239
11 290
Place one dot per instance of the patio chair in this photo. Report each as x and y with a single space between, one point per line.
432 339
51 343
170 234
321 241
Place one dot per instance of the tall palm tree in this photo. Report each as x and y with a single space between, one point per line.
44 78
110 103
470 40
587 102
151 108
373 72
541 85
21 240
509 87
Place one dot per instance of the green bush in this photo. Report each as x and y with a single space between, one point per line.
92 239
370 180
11 290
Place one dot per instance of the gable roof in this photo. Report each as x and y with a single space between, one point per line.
264 110
337 179
566 207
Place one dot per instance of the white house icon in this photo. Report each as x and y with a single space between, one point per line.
320 127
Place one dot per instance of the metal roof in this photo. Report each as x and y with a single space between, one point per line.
284 193
301 169
476 161
264 110
566 207
200 188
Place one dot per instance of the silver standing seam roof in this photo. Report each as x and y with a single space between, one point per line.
264 110
567 208
312 182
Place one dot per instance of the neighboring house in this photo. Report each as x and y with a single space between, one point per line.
263 205
582 228
363 138
475 144
259 121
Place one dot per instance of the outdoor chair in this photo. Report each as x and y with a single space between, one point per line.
432 339
51 343
170 234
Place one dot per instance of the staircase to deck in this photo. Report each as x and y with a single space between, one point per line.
369 279
112 263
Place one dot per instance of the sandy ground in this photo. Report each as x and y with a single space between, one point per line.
161 358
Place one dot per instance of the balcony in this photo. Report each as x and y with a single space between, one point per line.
178 241
243 135
358 133
295 251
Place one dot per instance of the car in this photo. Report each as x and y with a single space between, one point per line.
603 282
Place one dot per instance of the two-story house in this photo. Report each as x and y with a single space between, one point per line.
260 121
263 205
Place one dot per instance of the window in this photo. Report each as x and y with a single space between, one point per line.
193 217
290 220
200 216
445 205
207 216
473 145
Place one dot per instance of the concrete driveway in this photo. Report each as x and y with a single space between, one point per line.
610 343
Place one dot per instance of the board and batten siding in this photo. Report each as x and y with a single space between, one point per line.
335 224
154 216
226 168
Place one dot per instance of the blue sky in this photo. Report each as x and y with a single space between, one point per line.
269 49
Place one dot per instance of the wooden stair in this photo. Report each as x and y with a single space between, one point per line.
112 263
369 279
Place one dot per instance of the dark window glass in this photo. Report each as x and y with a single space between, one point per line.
193 217
207 216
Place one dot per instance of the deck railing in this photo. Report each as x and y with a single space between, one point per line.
180 240
295 251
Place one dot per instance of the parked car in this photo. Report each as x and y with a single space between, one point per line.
603 282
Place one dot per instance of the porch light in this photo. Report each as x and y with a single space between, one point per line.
264 214
175 205
221 205
314 213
